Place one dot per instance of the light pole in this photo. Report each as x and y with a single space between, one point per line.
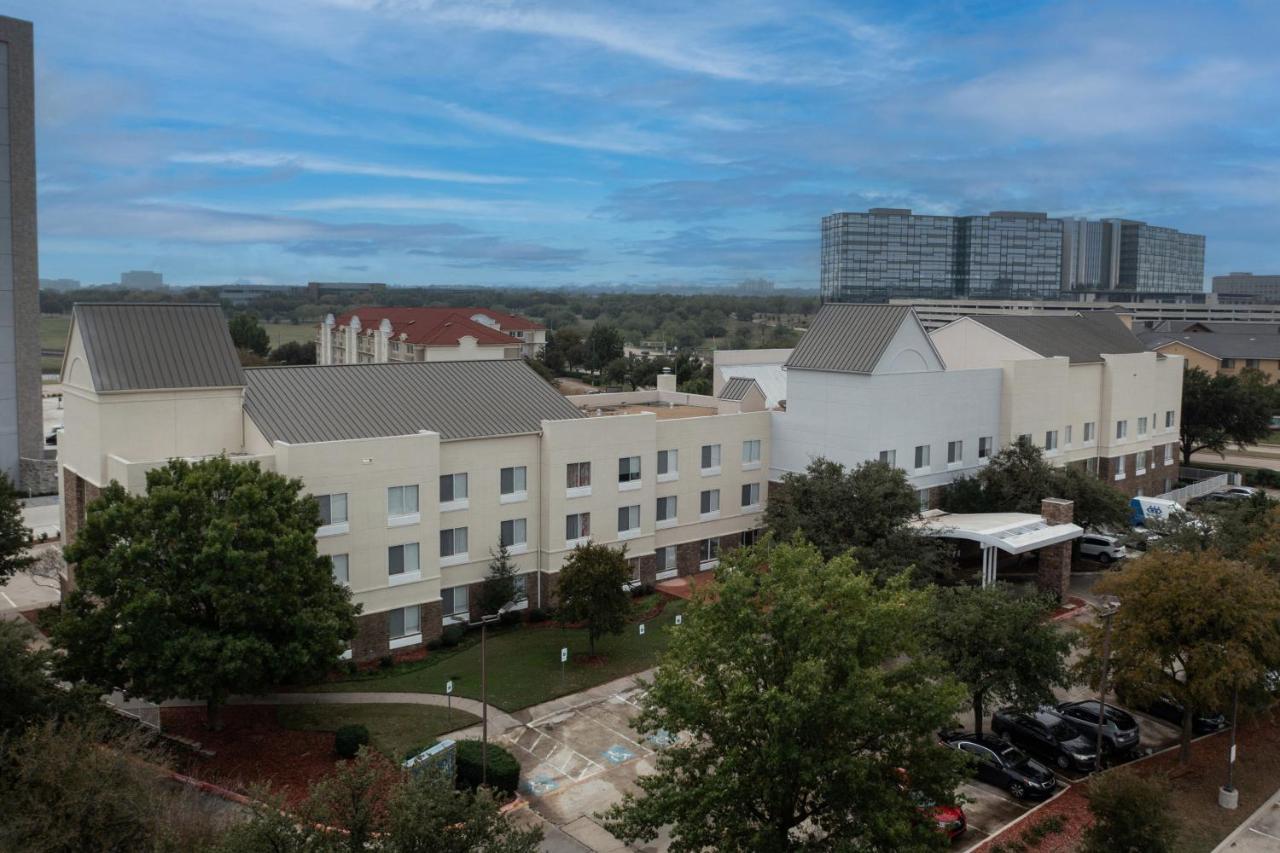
1106 611
1228 797
484 623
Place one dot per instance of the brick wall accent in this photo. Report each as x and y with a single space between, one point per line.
550 594
687 557
432 620
1151 482
648 569
371 640
77 494
1054 573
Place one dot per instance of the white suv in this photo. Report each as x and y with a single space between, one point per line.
1102 548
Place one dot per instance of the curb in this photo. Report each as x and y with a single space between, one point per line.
992 839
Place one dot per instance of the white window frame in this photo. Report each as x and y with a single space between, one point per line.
452 614
519 534
334 526
583 530
708 553
410 570
666 561
632 530
1122 430
404 516
1142 425
920 457
410 629
456 503
1168 455
1169 418
669 460
889 457
1050 440
986 444
751 488
710 453
628 473
955 453
1066 438
455 556
709 498
519 484
670 520
751 450
1090 431
1120 467
581 490
1140 462
341 576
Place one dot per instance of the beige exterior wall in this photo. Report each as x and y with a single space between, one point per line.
1195 358
1049 394
965 345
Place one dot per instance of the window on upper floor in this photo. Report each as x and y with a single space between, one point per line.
984 446
453 487
577 525
1142 426
577 475
513 532
922 456
1122 429
1051 439
889 457
453 542
750 494
710 457
955 452
750 451
341 568
1066 437
1088 431
629 519
402 500
402 559
1168 419
629 469
333 508
513 481
709 501
666 510
668 463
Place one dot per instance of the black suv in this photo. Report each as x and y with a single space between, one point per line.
1119 729
1000 763
1048 734
1170 710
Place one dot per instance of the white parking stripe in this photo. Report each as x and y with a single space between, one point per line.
12 603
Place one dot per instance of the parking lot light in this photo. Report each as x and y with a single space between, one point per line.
1107 609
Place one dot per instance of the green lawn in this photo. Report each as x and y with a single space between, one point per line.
53 330
281 333
393 729
524 663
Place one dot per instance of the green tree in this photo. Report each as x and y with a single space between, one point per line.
207 585
801 704
427 815
1193 626
863 511
247 334
499 588
26 693
15 537
1000 645
1131 813
591 590
603 345
294 352
1017 478
1221 410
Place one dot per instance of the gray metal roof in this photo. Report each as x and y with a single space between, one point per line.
737 388
1082 338
848 338
458 399
1220 345
147 347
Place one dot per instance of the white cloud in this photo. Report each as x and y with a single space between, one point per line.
330 166
507 209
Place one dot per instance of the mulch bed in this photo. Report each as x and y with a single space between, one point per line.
1072 806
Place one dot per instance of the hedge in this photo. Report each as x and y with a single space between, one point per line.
348 739
504 770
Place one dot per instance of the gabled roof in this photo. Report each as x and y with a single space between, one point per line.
738 387
429 326
458 399
505 320
848 338
1219 345
1082 338
150 346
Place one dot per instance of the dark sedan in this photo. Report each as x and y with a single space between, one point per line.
1002 764
1047 734
1119 729
1170 710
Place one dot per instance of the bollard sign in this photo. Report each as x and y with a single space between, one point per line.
448 687
641 629
564 655
679 618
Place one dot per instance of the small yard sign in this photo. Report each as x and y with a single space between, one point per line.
641 629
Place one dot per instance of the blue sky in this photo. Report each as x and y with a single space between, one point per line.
422 142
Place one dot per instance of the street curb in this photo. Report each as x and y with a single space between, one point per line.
991 839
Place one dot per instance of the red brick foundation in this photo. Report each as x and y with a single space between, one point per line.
1054 573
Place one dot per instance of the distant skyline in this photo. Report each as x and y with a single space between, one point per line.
420 142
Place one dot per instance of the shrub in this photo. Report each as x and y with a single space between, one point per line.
537 614
504 770
386 662
433 644
351 667
348 739
509 617
1040 829
451 636
1130 812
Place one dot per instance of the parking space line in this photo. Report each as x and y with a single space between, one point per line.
621 735
12 603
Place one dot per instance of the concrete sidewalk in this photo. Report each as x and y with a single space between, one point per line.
1260 832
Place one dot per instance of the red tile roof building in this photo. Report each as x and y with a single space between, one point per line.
376 334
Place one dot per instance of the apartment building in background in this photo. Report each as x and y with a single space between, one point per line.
1227 348
1245 287
21 413
373 335
891 253
422 469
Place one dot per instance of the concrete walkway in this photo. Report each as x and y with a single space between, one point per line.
1260 833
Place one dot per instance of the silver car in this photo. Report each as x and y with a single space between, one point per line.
1102 548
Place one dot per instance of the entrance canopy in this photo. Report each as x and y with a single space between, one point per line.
1011 532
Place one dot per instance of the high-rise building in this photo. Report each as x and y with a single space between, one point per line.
142 280
1245 287
60 284
21 417
889 253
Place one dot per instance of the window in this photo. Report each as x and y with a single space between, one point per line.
984 446
578 475
577 526
889 457
668 464
1024 438
1119 467
708 552
922 456
341 569
453 487
750 494
1168 456
955 452
333 509
1251 362
1091 465
1122 429
1228 362
922 499
513 481
453 542
665 561
629 520
513 532
402 500
1066 438
709 501
453 601
1142 426
751 452
750 537
405 621
1140 462
1168 419
1088 432
711 459
1051 440
666 509
629 469
402 561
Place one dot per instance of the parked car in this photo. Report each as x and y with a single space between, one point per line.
1119 728
1049 735
1239 492
949 820
1170 710
1000 763
51 437
1101 547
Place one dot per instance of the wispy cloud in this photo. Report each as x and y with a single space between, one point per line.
329 166
495 209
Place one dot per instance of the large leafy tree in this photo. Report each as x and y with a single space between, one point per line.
1018 477
603 345
207 585
592 590
1222 410
1193 626
294 352
1000 645
15 536
862 511
804 711
248 334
